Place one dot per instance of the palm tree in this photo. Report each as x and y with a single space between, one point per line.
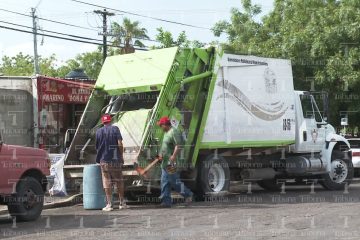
124 34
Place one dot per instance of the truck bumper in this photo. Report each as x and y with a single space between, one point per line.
356 162
74 174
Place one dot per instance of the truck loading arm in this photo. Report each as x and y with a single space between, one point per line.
196 77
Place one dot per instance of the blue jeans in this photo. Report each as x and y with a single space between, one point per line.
169 181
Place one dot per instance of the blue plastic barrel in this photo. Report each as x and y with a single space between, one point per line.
93 192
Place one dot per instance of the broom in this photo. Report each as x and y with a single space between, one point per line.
143 171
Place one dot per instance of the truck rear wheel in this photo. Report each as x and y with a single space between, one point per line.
214 175
27 203
341 173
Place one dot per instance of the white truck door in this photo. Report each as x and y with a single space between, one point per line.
310 132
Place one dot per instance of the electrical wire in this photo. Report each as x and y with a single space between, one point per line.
144 16
65 38
43 30
49 20
67 24
87 20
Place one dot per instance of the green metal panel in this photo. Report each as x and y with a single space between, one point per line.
137 72
246 144
179 99
215 65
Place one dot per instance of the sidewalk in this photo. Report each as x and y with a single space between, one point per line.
54 202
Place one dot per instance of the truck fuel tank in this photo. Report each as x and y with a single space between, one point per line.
299 165
260 174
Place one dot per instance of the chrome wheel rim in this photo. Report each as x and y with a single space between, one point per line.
216 177
339 171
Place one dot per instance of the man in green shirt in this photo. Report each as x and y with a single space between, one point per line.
169 152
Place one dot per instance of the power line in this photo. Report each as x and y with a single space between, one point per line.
140 15
63 38
47 35
67 24
87 20
43 30
59 33
48 20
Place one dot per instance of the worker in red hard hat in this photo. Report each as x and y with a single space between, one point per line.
110 150
106 118
170 149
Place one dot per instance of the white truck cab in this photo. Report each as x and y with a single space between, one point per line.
329 152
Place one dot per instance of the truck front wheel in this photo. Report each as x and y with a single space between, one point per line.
27 203
341 173
214 175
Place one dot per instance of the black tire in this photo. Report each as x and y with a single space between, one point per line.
270 184
331 183
208 169
28 201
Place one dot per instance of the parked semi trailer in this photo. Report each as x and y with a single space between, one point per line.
239 115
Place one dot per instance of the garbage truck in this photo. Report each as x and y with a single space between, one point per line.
239 116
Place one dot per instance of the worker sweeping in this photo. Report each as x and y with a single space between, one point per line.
109 149
169 152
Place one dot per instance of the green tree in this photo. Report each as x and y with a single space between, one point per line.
125 33
322 38
67 67
166 39
91 62
242 28
23 65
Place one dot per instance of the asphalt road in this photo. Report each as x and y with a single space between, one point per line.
300 212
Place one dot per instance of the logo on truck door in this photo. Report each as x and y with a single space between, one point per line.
267 112
270 81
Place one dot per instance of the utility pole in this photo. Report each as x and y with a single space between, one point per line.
36 59
104 15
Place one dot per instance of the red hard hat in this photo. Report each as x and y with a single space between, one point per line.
106 118
163 120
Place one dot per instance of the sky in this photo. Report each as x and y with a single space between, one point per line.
203 13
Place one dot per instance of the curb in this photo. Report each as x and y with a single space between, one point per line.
73 200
